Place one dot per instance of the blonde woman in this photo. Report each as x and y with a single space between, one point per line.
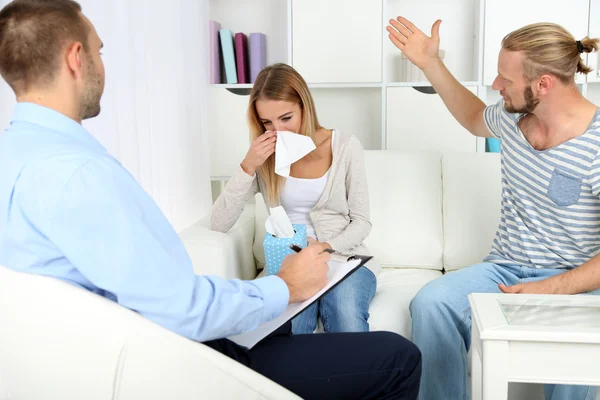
326 191
548 239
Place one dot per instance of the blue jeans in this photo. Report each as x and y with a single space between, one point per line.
343 309
441 328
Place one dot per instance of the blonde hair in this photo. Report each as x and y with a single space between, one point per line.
280 82
550 48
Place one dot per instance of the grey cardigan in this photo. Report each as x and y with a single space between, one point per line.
340 217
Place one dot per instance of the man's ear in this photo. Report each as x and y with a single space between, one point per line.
545 84
74 59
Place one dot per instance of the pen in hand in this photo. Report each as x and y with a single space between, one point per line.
296 248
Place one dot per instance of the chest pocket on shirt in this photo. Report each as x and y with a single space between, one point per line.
564 189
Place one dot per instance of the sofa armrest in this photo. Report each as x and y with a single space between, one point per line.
228 255
191 370
94 349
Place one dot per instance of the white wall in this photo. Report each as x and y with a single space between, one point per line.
153 110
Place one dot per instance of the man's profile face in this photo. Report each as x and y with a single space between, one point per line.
94 76
514 88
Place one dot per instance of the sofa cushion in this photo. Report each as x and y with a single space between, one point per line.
396 287
405 191
472 194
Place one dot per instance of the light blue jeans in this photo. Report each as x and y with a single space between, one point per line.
441 328
344 309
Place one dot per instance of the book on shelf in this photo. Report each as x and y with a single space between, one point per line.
228 51
215 51
241 58
258 54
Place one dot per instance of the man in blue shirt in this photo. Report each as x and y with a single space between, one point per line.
70 211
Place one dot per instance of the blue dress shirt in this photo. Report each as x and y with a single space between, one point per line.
71 211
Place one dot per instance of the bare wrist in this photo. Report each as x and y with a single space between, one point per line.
250 171
561 284
293 292
432 65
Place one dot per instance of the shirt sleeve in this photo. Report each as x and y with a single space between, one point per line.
114 234
492 115
229 205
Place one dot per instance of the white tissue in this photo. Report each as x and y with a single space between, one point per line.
290 148
278 224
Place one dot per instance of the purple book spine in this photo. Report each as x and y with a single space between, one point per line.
258 54
215 52
241 57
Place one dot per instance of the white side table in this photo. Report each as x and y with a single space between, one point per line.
533 338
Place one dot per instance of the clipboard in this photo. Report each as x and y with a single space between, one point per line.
338 272
340 256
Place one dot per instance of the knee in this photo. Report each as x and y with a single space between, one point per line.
345 318
407 354
344 303
430 300
412 354
348 302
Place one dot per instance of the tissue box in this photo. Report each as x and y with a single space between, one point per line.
276 249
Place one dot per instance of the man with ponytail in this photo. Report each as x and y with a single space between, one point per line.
548 240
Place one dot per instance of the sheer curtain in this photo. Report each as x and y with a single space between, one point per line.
153 115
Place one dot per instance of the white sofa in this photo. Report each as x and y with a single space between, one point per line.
430 214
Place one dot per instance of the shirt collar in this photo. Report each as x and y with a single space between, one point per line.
53 120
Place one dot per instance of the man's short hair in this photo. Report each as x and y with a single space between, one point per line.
32 35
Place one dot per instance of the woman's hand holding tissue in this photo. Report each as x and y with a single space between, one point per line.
261 148
312 241
305 273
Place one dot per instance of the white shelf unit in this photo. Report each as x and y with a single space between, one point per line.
267 16
573 15
458 33
593 93
594 32
424 133
356 75
337 40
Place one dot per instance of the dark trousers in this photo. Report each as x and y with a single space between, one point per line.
372 365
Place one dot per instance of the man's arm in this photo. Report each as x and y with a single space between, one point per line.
117 238
423 51
582 279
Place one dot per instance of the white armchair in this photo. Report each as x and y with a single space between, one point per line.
61 342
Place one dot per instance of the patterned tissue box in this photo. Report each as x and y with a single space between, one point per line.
276 249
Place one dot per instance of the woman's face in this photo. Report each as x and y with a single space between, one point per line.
279 115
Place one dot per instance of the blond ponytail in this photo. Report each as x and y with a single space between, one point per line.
550 48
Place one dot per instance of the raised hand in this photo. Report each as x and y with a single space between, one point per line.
419 48
261 148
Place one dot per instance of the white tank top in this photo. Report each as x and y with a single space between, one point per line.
299 197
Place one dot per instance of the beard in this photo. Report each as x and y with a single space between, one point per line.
531 103
92 92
